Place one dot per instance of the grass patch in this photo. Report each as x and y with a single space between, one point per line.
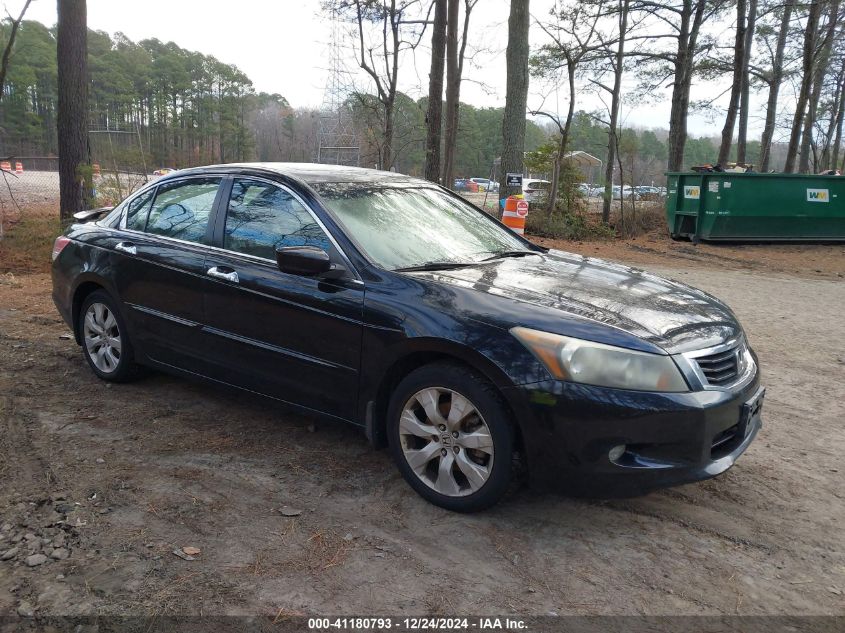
28 240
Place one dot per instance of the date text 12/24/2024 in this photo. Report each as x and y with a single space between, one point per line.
416 624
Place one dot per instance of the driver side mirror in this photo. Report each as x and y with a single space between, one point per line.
307 261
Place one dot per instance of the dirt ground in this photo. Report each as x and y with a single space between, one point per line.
107 481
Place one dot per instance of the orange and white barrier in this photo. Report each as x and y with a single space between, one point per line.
516 209
18 167
6 166
96 168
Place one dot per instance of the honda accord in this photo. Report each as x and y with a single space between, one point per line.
395 305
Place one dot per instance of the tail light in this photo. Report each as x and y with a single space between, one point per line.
59 245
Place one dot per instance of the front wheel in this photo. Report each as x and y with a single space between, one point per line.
451 438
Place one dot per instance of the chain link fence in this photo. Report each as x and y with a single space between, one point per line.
30 184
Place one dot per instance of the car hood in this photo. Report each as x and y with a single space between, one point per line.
668 314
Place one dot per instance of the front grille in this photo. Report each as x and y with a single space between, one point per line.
721 368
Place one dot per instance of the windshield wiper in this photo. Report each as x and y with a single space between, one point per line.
434 266
509 254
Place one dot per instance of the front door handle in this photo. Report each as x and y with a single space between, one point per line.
220 274
126 247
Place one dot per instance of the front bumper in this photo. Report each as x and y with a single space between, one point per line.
671 438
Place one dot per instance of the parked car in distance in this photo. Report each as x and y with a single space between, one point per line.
629 193
393 304
485 184
465 184
536 191
647 192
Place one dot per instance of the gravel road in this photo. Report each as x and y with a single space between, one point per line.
106 481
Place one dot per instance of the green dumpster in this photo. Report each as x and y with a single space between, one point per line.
750 206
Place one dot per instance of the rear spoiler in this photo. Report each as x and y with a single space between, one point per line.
91 214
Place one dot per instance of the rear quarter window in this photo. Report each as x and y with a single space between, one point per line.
138 209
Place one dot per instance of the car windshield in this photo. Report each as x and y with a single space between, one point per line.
407 227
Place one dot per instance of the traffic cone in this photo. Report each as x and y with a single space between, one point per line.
514 214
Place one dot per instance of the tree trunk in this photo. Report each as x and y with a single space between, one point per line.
616 98
434 116
453 87
745 92
516 95
692 18
387 141
736 88
564 140
72 120
774 88
819 71
840 115
835 122
10 44
810 35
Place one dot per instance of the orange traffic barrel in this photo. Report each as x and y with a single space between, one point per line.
96 168
6 165
514 214
18 167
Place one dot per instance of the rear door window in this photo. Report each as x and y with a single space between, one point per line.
182 209
262 217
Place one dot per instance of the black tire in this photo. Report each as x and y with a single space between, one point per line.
488 403
124 369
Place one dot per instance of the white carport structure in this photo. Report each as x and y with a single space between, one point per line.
587 163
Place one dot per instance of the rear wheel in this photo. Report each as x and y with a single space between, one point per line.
105 342
451 438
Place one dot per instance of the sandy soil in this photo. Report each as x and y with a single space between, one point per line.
117 477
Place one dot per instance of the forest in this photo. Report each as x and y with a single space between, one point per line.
155 104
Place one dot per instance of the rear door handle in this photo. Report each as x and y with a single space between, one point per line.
215 271
126 247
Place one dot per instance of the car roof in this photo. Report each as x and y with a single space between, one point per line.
313 173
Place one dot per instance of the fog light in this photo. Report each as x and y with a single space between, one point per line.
616 452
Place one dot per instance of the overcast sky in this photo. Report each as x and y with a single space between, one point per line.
282 46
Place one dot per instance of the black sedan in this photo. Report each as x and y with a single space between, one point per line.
393 304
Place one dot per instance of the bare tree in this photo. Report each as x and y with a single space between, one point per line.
773 78
617 60
72 119
820 67
399 27
574 43
10 44
834 133
434 116
455 53
808 66
684 20
736 87
745 91
516 96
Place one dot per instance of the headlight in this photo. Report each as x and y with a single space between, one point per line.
590 363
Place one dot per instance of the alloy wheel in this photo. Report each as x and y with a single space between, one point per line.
446 441
102 337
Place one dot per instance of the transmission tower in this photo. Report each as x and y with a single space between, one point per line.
337 143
